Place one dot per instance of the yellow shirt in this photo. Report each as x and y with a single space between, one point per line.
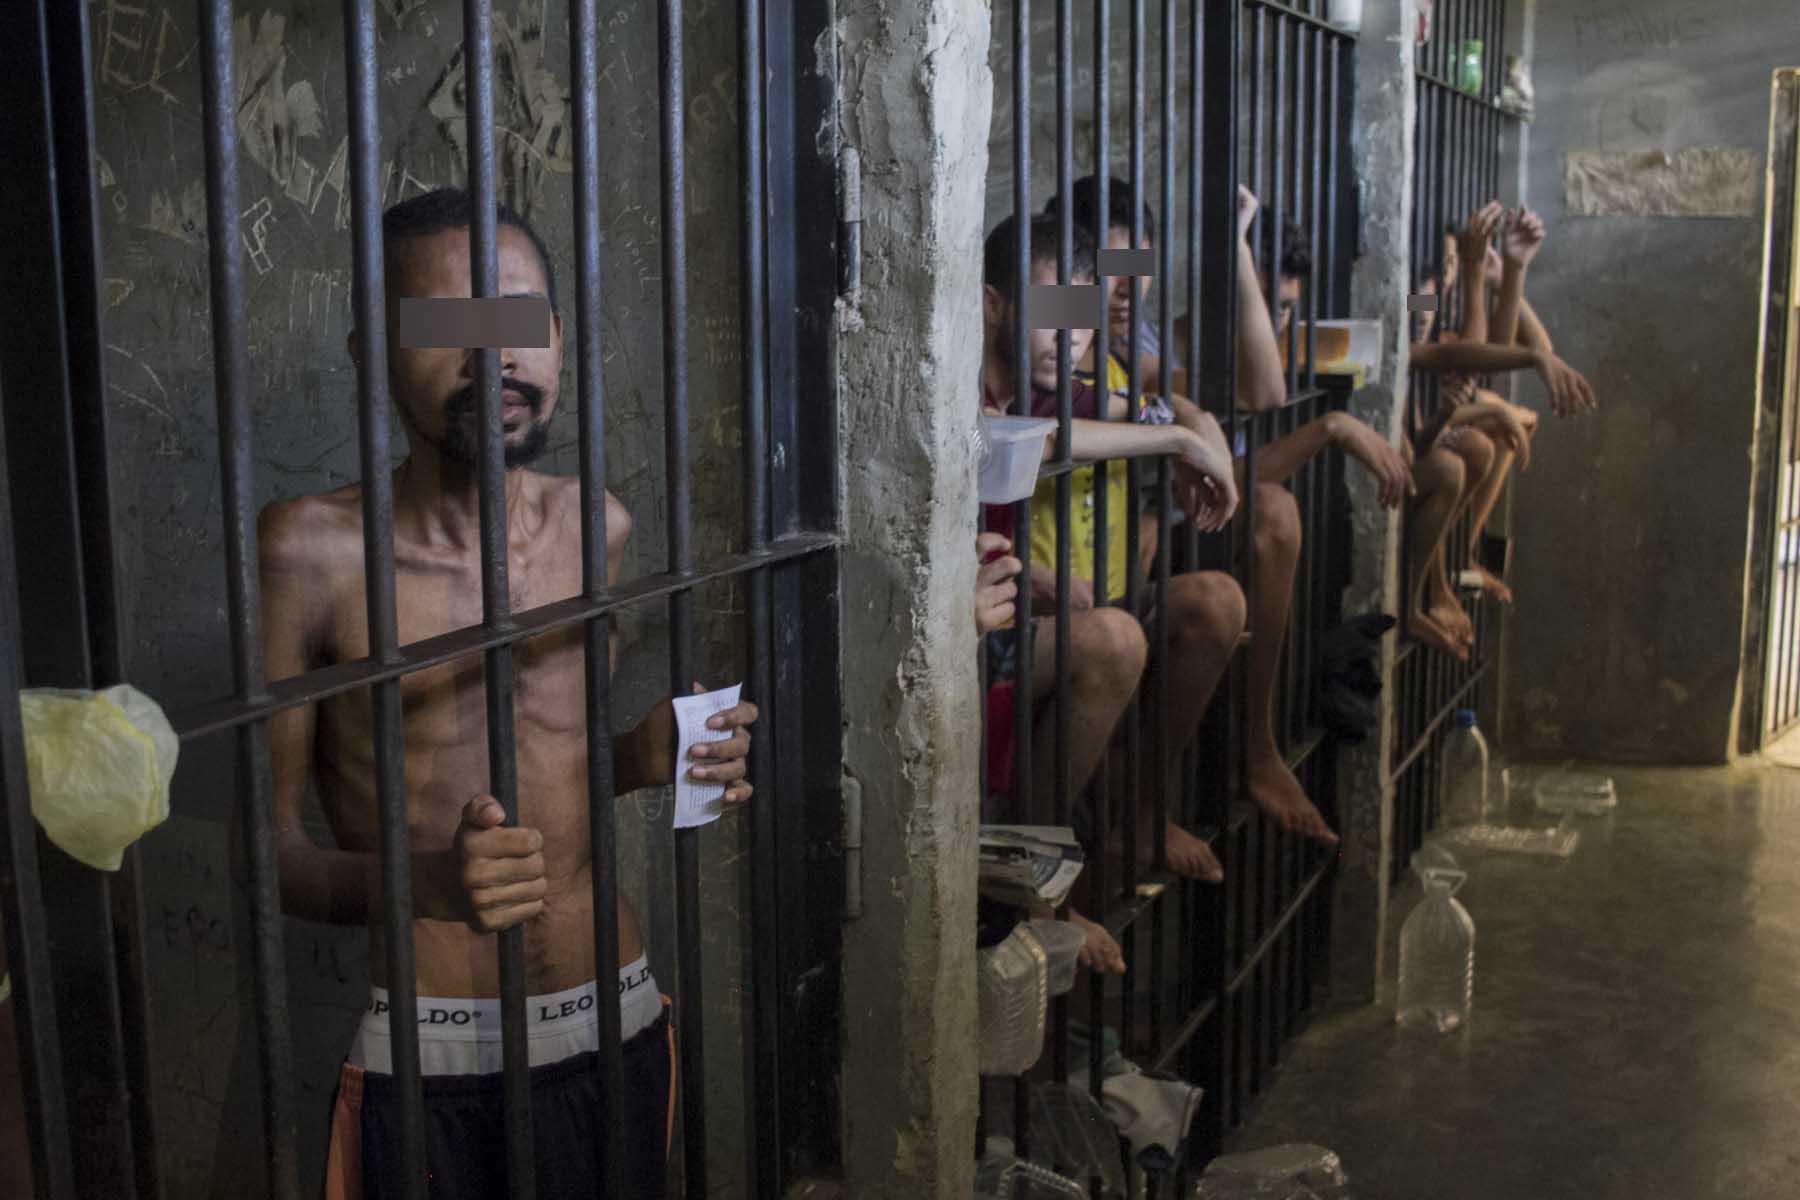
1081 515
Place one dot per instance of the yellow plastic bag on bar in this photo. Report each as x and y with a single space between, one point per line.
100 766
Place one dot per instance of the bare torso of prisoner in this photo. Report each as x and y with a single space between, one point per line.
438 589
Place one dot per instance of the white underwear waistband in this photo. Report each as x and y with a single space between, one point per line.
461 1035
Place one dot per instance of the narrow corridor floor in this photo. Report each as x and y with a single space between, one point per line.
1636 1029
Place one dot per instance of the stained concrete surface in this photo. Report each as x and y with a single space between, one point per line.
1636 1027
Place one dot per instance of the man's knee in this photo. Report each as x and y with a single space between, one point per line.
1476 449
1277 520
1108 649
1440 470
1206 606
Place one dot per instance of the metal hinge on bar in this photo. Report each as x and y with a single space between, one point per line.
850 225
853 844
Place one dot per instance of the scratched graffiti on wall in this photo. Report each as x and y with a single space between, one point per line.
532 132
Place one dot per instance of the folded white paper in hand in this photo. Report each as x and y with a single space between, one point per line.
698 802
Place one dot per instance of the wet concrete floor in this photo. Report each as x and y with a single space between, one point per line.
1636 1028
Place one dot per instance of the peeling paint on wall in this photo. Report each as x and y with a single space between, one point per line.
1716 181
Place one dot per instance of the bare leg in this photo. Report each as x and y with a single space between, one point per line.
1272 786
1438 476
1205 617
1487 496
1106 660
1443 604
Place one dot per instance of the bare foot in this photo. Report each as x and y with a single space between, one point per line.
1453 620
1426 631
1280 795
1099 952
1190 857
1446 609
1492 584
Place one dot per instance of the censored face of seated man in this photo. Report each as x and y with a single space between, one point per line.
471 876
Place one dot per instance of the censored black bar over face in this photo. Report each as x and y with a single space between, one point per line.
428 323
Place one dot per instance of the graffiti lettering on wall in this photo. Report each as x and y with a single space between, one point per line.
256 221
138 50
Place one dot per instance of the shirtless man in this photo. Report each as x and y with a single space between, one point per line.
471 876
1455 447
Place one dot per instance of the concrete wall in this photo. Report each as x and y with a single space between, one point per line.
1631 527
915 90
164 454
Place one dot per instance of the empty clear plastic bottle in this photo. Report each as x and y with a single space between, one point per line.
1463 784
1437 956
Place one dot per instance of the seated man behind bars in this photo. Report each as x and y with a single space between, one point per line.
1109 645
471 877
1260 385
1456 445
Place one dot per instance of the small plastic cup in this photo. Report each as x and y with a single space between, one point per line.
1014 449
1062 946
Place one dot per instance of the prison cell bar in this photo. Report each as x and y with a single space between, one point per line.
369 299
584 76
671 59
1100 784
496 600
27 933
1062 711
243 591
763 1145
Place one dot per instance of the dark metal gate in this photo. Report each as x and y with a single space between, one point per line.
1218 978
74 937
1772 691
1456 169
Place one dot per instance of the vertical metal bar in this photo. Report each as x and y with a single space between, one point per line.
672 60
496 603
1334 134
1296 152
243 592
370 289
764 1146
1165 314
584 74
22 904
1319 136
1134 398
1100 789
1024 253
1258 133
1218 52
1062 712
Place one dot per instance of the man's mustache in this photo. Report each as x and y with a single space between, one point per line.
461 404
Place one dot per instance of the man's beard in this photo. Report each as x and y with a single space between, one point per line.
461 440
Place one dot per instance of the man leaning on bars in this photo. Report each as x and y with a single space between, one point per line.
471 877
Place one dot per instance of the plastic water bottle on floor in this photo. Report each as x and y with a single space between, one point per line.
1437 955
1463 784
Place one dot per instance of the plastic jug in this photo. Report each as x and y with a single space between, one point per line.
1463 779
1437 955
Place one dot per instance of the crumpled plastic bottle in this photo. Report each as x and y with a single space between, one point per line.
100 764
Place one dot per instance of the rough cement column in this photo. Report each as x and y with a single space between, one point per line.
916 95
1380 283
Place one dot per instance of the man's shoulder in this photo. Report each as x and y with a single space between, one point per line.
312 532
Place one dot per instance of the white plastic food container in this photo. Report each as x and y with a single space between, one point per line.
1365 342
1012 452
